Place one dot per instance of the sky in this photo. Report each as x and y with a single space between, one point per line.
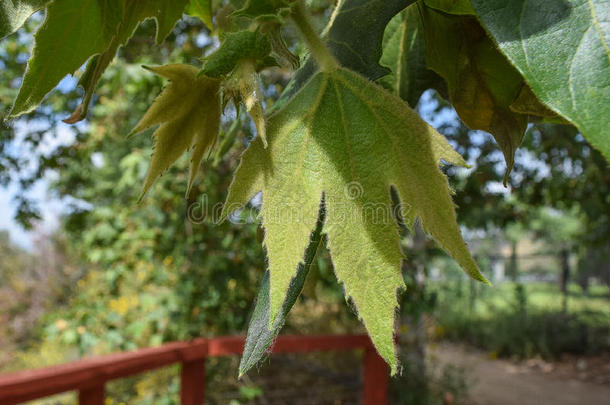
50 207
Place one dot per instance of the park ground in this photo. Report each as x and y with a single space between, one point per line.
573 381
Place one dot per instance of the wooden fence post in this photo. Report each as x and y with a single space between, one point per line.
91 396
376 374
192 382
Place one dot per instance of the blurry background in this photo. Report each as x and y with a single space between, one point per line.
86 270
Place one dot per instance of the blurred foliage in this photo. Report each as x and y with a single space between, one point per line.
525 321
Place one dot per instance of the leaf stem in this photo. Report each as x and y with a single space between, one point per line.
320 52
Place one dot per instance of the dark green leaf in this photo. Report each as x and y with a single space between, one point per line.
165 12
458 7
355 37
404 52
13 14
260 336
241 45
561 47
263 8
482 83
73 31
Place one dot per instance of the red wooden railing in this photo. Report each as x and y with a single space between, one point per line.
89 376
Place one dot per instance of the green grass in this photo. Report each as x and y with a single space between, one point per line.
525 320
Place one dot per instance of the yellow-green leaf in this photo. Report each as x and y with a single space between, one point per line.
346 138
188 110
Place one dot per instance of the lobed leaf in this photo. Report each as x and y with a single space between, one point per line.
188 110
331 141
561 47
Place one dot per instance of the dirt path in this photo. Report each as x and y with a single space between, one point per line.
499 382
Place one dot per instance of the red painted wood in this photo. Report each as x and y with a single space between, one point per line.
192 382
376 375
87 373
91 396
90 374
295 344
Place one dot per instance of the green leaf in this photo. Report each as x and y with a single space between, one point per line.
482 83
404 52
354 36
458 7
561 47
165 12
260 336
72 31
236 46
243 85
267 9
13 14
188 110
201 9
527 103
333 138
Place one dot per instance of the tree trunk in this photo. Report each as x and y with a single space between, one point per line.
513 266
564 277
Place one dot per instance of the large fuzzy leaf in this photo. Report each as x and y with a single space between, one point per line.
165 12
188 110
404 52
482 83
72 31
260 336
333 139
13 14
562 49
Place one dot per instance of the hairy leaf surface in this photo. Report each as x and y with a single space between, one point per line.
13 14
333 139
236 46
72 31
188 110
404 52
260 336
482 83
562 49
